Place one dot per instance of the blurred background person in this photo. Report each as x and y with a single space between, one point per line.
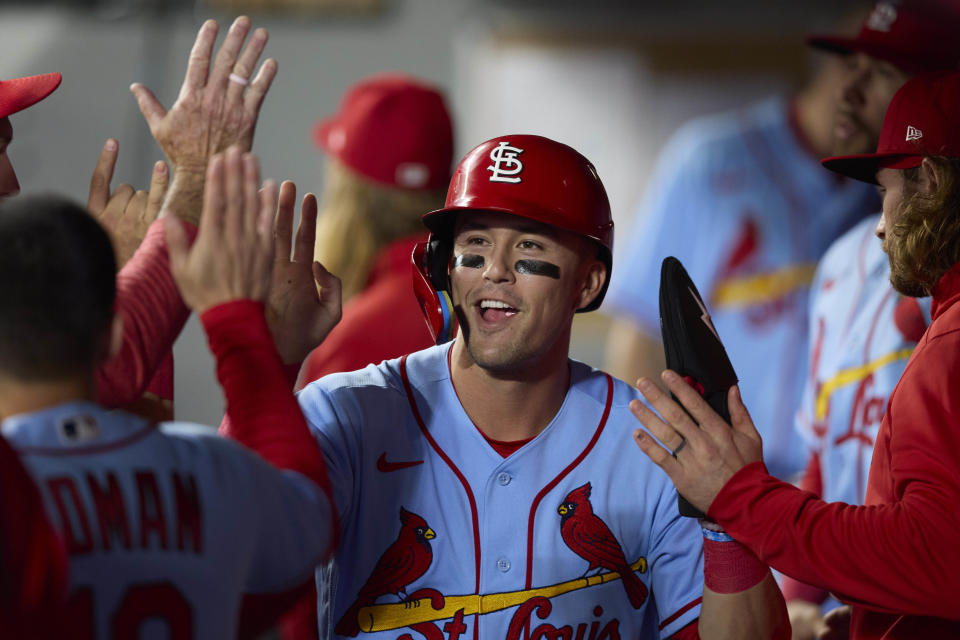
389 149
862 332
741 199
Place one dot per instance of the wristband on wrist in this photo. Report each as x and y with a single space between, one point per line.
728 566
717 536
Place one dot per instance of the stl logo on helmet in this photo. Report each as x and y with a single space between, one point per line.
506 165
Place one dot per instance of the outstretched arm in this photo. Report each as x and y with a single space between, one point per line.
846 549
740 597
225 276
211 113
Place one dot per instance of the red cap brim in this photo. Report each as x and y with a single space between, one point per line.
909 60
864 166
19 93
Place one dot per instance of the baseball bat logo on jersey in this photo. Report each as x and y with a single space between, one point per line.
506 165
589 537
404 562
410 555
426 606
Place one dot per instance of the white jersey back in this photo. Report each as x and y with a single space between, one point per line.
166 527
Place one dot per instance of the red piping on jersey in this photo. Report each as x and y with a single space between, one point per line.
873 324
679 612
466 486
570 467
862 274
58 451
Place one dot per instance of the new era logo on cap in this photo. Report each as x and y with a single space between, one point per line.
413 175
929 99
882 17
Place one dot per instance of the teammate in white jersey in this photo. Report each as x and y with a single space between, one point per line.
487 488
166 527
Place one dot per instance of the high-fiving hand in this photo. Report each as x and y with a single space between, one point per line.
126 214
305 298
216 108
713 451
232 257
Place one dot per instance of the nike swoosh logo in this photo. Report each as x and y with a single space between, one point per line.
386 467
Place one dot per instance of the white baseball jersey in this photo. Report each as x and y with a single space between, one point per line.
431 514
166 527
857 355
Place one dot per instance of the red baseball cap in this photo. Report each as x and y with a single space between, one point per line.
19 93
920 121
917 36
394 129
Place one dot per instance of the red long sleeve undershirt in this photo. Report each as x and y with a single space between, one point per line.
263 415
153 316
263 412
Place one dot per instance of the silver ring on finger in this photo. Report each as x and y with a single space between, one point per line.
240 80
679 447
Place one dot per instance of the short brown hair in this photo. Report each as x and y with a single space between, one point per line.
927 232
57 287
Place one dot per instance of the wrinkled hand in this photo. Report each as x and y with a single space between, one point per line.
212 111
126 214
232 256
304 303
836 624
713 451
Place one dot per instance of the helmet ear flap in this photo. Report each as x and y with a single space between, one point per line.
431 286
437 259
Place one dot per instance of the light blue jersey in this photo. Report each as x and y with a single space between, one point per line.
749 211
166 527
857 355
430 511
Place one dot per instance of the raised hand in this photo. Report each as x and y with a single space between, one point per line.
708 451
304 303
232 256
125 213
217 107
213 110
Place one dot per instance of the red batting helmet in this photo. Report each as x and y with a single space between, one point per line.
528 176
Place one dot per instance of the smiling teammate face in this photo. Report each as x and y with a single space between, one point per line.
516 284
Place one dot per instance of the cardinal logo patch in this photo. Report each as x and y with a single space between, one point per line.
589 537
506 165
383 603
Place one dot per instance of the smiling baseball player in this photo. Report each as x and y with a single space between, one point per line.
486 487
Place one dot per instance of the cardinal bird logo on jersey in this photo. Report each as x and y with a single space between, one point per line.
403 562
590 538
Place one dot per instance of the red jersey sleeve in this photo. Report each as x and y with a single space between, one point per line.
153 316
262 411
812 481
